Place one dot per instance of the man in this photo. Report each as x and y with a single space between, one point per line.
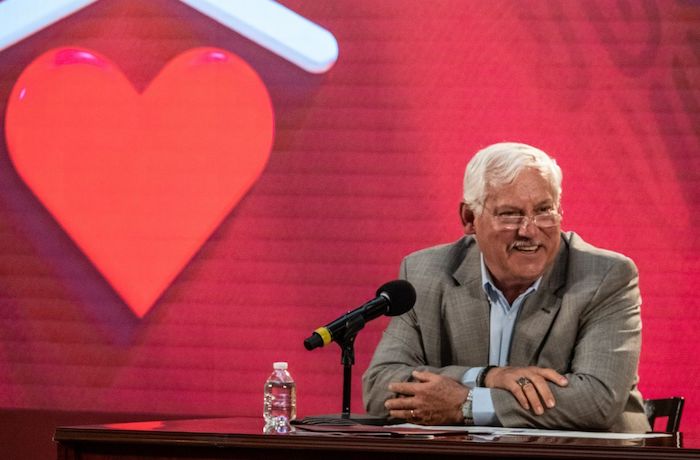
516 324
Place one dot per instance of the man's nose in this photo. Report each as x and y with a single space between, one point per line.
528 227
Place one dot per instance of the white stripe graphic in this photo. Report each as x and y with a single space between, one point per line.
21 18
277 28
265 22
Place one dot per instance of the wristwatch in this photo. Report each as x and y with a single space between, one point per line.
467 409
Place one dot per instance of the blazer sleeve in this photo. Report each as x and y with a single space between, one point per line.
603 368
401 350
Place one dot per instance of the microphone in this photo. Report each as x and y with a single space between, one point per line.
393 299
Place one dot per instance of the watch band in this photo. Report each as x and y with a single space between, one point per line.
467 411
481 379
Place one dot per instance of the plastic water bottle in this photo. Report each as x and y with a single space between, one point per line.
280 402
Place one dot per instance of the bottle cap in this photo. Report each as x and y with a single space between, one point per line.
280 366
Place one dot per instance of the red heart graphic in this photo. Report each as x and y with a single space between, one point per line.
139 181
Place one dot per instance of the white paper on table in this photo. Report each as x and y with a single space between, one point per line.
499 431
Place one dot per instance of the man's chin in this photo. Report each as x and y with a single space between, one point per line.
528 275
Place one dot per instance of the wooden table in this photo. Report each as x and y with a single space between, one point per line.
242 438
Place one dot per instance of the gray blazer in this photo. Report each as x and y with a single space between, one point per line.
583 321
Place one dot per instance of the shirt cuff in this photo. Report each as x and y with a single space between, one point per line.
482 408
469 377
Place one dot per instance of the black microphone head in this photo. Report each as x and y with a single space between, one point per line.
401 295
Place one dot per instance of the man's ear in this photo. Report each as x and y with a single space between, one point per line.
467 216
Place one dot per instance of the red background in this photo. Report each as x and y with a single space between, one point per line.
366 167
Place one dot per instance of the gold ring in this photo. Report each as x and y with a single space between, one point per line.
522 381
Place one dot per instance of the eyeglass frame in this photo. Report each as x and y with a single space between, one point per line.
556 213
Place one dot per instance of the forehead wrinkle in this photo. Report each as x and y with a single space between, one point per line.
526 191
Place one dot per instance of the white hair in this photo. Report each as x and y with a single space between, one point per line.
499 164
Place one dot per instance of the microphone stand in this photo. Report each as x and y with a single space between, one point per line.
353 325
347 358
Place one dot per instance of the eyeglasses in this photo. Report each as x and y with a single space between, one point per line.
513 222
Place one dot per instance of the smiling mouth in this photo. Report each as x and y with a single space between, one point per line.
525 247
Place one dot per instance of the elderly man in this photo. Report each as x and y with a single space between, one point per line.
516 324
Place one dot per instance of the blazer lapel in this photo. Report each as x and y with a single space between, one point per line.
538 312
466 312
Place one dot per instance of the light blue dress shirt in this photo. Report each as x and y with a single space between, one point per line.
502 322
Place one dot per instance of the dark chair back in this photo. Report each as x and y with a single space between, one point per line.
665 407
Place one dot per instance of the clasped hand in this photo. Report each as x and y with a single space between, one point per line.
433 399
527 384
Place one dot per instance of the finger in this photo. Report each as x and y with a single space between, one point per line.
399 404
551 375
544 392
519 394
423 376
533 397
404 388
405 414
